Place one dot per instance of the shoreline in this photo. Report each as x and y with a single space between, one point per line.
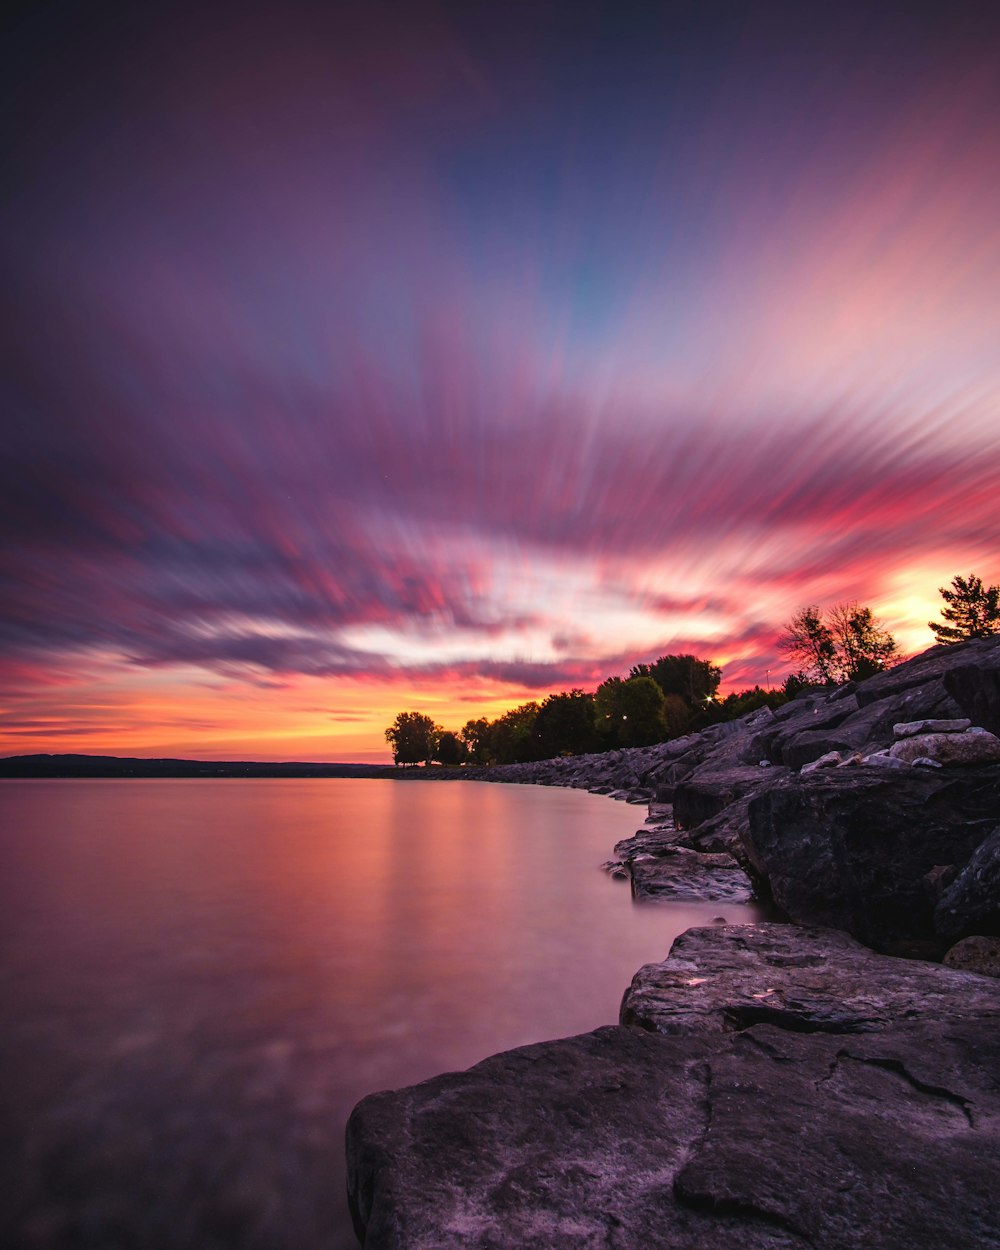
861 1080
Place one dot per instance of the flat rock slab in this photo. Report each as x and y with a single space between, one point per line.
726 978
863 1111
682 874
768 1140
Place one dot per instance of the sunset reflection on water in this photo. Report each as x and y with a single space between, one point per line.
202 977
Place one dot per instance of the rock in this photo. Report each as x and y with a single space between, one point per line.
767 1138
937 881
662 866
975 688
710 789
949 748
909 728
832 759
961 680
976 954
882 759
850 848
804 748
803 979
971 904
690 875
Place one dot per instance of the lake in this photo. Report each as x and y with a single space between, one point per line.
201 978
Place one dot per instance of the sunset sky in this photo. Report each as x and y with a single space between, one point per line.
369 357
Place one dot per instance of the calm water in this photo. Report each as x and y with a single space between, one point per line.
200 979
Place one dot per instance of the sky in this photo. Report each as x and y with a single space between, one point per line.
407 356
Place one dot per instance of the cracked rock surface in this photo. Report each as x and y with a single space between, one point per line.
727 1132
806 980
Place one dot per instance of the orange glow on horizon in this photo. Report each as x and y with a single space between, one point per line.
110 709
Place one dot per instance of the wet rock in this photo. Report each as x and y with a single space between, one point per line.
803 979
660 865
952 749
971 904
976 954
850 848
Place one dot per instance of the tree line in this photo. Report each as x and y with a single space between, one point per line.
678 694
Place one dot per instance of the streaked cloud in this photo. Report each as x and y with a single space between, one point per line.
438 352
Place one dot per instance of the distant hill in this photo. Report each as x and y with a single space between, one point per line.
127 766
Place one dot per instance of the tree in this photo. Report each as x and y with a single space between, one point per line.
477 736
864 646
630 713
450 749
565 725
809 640
972 610
849 645
412 737
512 736
695 681
676 715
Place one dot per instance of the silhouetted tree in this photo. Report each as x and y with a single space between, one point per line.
565 725
477 736
809 640
864 646
450 749
412 737
693 680
971 609
849 645
512 736
676 715
629 713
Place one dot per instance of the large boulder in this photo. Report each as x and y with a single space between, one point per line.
971 904
968 673
766 1138
978 954
949 749
850 848
682 874
725 978
711 788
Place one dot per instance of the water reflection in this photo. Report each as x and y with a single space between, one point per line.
201 978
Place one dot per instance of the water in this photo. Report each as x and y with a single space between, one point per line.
200 978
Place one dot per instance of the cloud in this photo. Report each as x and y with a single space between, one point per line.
396 347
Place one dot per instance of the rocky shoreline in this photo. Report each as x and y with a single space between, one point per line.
777 1085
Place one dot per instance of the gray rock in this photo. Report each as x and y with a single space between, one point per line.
971 904
832 759
662 866
719 980
909 728
803 748
975 687
711 788
882 759
952 749
850 848
683 874
769 1138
